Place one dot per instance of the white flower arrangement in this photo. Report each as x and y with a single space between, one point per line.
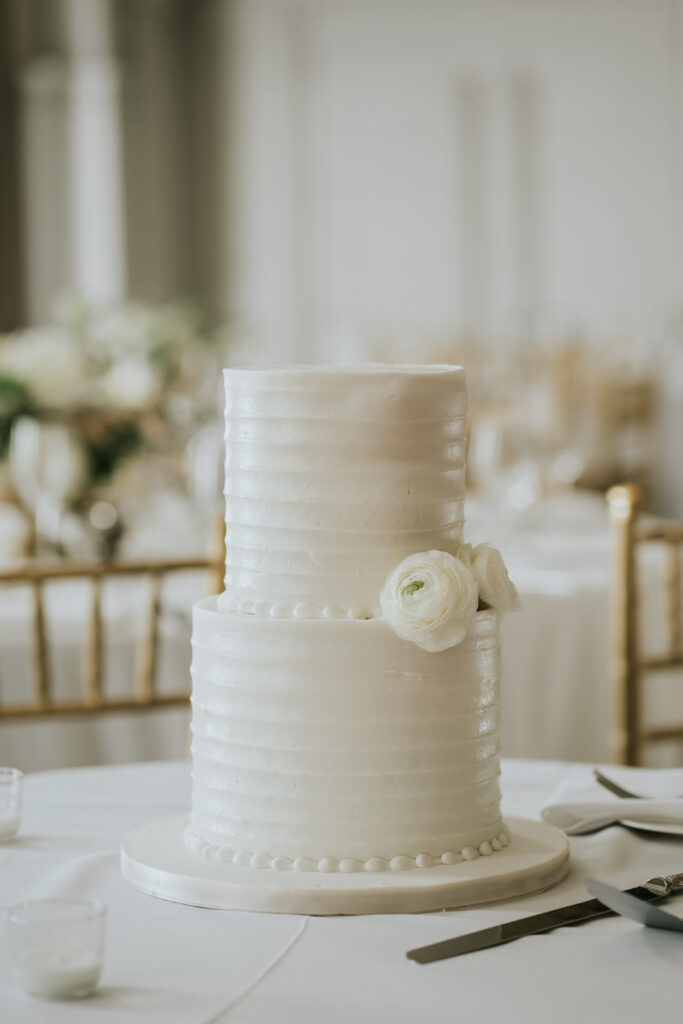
123 379
49 364
431 597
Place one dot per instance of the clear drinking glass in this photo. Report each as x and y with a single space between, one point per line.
48 469
10 802
56 947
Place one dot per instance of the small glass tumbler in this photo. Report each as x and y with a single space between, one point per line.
10 802
56 947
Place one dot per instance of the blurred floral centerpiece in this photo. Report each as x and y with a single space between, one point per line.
81 396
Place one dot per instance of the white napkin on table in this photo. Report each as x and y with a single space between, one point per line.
581 804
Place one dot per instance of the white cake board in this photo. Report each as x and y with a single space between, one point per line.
154 858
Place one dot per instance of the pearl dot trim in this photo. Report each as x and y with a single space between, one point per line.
451 857
328 865
264 609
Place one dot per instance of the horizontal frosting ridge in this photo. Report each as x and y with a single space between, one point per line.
334 455
366 745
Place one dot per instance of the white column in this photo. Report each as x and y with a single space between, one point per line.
73 198
46 213
474 191
526 186
96 180
96 153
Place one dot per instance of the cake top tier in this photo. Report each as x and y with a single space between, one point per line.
333 475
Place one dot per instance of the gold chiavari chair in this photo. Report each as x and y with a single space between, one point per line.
630 732
144 694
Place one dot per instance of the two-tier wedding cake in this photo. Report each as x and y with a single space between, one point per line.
346 705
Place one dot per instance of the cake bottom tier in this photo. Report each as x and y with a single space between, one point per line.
335 745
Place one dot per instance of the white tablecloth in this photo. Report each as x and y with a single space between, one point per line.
171 963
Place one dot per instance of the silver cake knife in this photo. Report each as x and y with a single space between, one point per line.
653 889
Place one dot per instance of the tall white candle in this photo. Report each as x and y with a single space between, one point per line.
9 824
58 972
10 802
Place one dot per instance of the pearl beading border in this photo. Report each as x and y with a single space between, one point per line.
242 858
266 609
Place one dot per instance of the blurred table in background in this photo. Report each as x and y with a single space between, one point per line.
147 734
555 686
555 681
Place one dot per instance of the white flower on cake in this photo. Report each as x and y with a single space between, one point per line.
430 599
495 586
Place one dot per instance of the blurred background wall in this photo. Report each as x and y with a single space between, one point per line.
189 184
114 118
357 179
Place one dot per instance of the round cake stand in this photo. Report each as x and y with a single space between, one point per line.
154 858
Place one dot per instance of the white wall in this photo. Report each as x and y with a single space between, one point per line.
497 166
388 167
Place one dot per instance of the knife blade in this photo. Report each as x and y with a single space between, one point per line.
574 913
628 905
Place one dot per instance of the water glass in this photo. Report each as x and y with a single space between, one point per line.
10 802
48 469
56 947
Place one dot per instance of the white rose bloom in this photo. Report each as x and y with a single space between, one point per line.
430 599
495 586
131 384
49 363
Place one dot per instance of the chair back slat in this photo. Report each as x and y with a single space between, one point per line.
66 709
669 531
217 554
673 598
148 662
41 670
93 676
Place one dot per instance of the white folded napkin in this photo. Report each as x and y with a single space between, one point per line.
581 804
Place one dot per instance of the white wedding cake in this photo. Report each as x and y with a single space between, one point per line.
346 706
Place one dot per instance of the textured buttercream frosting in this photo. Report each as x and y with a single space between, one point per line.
332 476
321 739
334 741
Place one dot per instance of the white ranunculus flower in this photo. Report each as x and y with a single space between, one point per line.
430 598
48 361
495 586
464 553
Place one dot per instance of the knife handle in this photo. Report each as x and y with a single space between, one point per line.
665 885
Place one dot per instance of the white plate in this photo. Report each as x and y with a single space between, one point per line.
672 829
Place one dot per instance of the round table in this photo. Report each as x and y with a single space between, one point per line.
169 963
